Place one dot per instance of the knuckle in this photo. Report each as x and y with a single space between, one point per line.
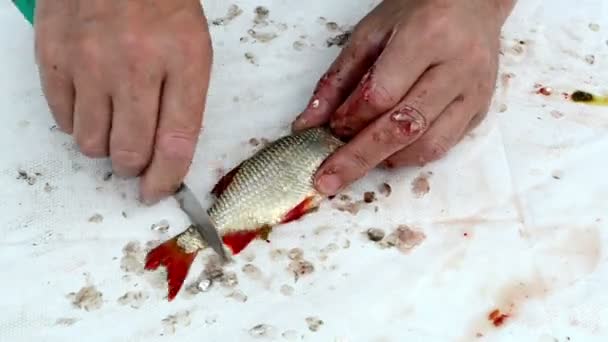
434 149
129 160
485 89
438 24
395 135
360 39
137 48
133 41
46 52
480 54
177 143
141 64
405 125
89 50
358 161
378 98
477 120
193 44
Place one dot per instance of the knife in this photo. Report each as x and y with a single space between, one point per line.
199 217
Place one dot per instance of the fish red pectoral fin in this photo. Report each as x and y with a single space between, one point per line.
306 206
225 181
176 261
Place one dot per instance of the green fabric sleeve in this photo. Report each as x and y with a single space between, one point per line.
26 7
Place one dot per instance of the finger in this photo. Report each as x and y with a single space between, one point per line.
183 101
92 119
391 132
340 79
58 89
134 121
396 70
444 133
476 121
51 57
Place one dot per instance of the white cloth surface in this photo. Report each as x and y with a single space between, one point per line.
515 218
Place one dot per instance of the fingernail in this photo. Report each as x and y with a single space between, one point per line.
147 200
329 184
299 122
150 199
302 121
122 172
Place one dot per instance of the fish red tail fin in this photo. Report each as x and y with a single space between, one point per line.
176 261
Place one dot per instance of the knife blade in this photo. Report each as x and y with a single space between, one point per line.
199 217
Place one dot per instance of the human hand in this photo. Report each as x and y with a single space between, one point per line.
414 78
128 80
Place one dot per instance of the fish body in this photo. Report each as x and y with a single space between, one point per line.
272 187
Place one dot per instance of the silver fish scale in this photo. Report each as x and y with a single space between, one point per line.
273 181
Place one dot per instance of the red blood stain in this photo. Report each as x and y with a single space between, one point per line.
175 260
324 81
542 90
343 126
224 182
406 119
497 317
466 234
409 126
325 78
366 84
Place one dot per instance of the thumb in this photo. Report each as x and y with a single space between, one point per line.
341 169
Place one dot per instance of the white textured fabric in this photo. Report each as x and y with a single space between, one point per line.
515 218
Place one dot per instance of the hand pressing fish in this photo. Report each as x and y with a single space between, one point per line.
273 187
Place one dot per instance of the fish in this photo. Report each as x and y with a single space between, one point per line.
274 186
